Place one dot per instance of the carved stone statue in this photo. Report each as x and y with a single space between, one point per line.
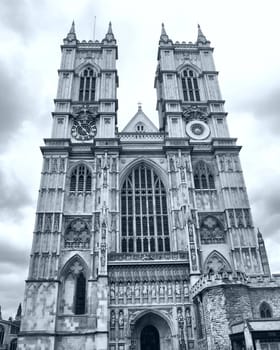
137 290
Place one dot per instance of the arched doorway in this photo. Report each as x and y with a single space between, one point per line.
149 338
151 331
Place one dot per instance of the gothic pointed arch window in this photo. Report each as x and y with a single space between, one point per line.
144 216
80 179
203 176
73 289
190 85
265 310
87 85
2 333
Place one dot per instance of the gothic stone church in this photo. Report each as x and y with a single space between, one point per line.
144 238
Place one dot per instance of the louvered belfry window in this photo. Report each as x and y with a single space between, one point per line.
190 86
87 86
80 179
144 216
203 177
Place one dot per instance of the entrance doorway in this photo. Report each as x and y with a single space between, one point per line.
149 338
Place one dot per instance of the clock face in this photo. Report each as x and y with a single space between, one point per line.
83 130
197 130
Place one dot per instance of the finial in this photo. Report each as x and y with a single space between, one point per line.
163 32
71 36
0 313
163 36
139 107
110 35
201 38
110 31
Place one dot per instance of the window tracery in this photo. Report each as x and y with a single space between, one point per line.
190 85
80 179
87 85
265 310
203 177
144 217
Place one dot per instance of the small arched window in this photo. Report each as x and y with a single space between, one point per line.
13 344
2 332
87 85
203 177
80 179
140 127
190 85
80 297
265 310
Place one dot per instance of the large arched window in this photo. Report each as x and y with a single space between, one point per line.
87 85
2 332
80 179
144 217
203 177
265 310
190 85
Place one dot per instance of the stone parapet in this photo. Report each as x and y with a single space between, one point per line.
229 278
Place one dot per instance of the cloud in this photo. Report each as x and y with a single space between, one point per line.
264 107
13 100
12 257
14 197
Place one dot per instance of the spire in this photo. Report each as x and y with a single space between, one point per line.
263 254
201 38
72 29
71 36
164 38
19 310
109 37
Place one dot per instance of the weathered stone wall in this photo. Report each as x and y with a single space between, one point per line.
270 295
36 342
238 303
216 318
40 306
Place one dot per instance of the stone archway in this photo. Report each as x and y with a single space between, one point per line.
151 332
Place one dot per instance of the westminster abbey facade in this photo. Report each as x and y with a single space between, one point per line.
143 237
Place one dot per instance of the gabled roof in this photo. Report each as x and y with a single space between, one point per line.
140 118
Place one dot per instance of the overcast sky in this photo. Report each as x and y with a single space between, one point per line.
245 35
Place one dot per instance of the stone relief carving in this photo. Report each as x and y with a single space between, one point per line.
212 231
195 113
216 263
77 235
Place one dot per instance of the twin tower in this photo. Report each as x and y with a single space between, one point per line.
143 238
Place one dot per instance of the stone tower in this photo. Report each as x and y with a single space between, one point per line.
129 223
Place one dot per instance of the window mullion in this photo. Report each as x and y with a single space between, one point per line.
133 210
